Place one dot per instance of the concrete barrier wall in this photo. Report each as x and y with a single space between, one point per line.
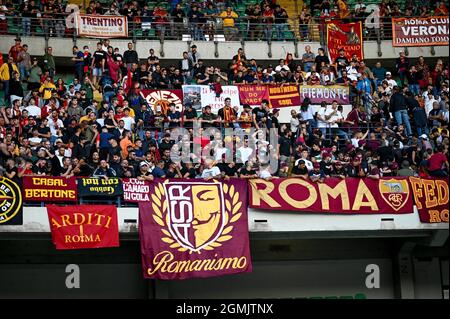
173 49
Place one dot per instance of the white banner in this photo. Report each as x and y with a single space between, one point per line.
98 26
202 95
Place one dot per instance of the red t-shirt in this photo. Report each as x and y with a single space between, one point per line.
436 161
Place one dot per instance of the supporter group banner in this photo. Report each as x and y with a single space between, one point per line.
194 229
100 26
49 189
414 32
135 190
319 93
347 36
10 202
334 195
253 94
202 95
162 99
282 96
100 187
431 199
83 226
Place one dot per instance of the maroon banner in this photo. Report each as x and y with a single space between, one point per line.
347 36
135 190
431 199
329 93
334 195
416 32
253 94
194 229
162 99
49 189
283 96
83 226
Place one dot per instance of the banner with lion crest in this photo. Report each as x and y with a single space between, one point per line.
194 229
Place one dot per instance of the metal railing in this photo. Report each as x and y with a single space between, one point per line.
244 29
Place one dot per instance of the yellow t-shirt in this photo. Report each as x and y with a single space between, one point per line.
228 19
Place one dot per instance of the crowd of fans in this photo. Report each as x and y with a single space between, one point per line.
202 19
47 127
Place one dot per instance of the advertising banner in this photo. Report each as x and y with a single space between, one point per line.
194 229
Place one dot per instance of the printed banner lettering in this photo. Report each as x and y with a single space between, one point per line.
347 36
135 190
416 32
100 187
431 199
334 195
283 96
162 99
83 226
202 95
99 26
10 203
49 189
194 229
319 93
253 94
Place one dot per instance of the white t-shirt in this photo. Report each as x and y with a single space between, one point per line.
308 163
210 172
337 116
245 153
264 174
218 152
323 112
33 110
391 82
52 125
128 122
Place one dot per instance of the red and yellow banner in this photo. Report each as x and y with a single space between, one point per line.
334 195
416 32
194 229
83 226
431 199
253 94
283 96
347 36
49 189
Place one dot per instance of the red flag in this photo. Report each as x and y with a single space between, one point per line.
83 226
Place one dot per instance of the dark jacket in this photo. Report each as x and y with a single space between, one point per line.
398 102
420 117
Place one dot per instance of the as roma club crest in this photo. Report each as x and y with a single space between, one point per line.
395 192
195 216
